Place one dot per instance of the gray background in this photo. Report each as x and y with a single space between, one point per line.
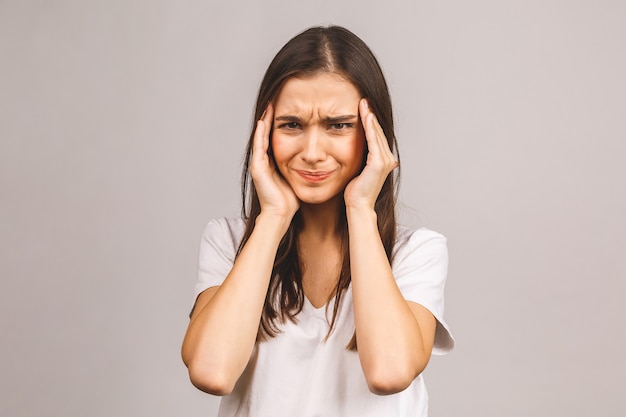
122 127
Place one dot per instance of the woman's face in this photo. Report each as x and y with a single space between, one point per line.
318 140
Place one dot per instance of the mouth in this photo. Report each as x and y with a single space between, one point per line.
314 176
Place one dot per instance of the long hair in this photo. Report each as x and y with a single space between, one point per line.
330 49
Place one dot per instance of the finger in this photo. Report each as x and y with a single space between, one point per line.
372 123
380 135
268 120
261 134
377 140
366 120
268 115
383 142
258 148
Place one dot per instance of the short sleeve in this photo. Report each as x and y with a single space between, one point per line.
420 267
218 248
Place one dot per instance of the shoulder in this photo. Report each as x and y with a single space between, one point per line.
224 229
421 240
404 233
222 237
420 266
226 223
218 249
421 254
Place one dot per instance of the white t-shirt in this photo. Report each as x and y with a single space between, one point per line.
298 374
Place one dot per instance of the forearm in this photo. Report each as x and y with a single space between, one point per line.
222 333
389 339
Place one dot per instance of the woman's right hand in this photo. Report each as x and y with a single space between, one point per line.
275 195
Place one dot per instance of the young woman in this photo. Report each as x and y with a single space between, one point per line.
315 302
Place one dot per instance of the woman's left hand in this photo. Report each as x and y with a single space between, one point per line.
363 190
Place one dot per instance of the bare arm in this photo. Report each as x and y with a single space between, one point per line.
394 336
224 324
223 328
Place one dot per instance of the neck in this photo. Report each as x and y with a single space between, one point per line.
320 221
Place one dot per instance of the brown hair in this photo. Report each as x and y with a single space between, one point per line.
318 49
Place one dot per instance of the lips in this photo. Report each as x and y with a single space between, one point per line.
314 176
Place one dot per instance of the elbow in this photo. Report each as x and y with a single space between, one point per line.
383 385
386 381
205 377
207 373
214 383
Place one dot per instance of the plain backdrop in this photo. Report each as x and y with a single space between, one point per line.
122 129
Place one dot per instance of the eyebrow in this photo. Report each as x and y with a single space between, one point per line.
329 120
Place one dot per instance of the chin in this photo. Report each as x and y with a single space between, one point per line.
319 199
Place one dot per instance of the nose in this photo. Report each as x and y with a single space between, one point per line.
313 148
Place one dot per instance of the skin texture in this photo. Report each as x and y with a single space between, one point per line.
321 129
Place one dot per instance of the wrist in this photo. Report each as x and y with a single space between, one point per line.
270 224
360 214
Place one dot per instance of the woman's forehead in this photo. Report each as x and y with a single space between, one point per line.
326 92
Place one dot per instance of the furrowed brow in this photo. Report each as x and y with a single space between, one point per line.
340 119
288 118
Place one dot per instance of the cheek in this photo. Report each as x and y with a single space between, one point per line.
358 152
281 151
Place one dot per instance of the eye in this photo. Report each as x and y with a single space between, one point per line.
290 126
340 126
